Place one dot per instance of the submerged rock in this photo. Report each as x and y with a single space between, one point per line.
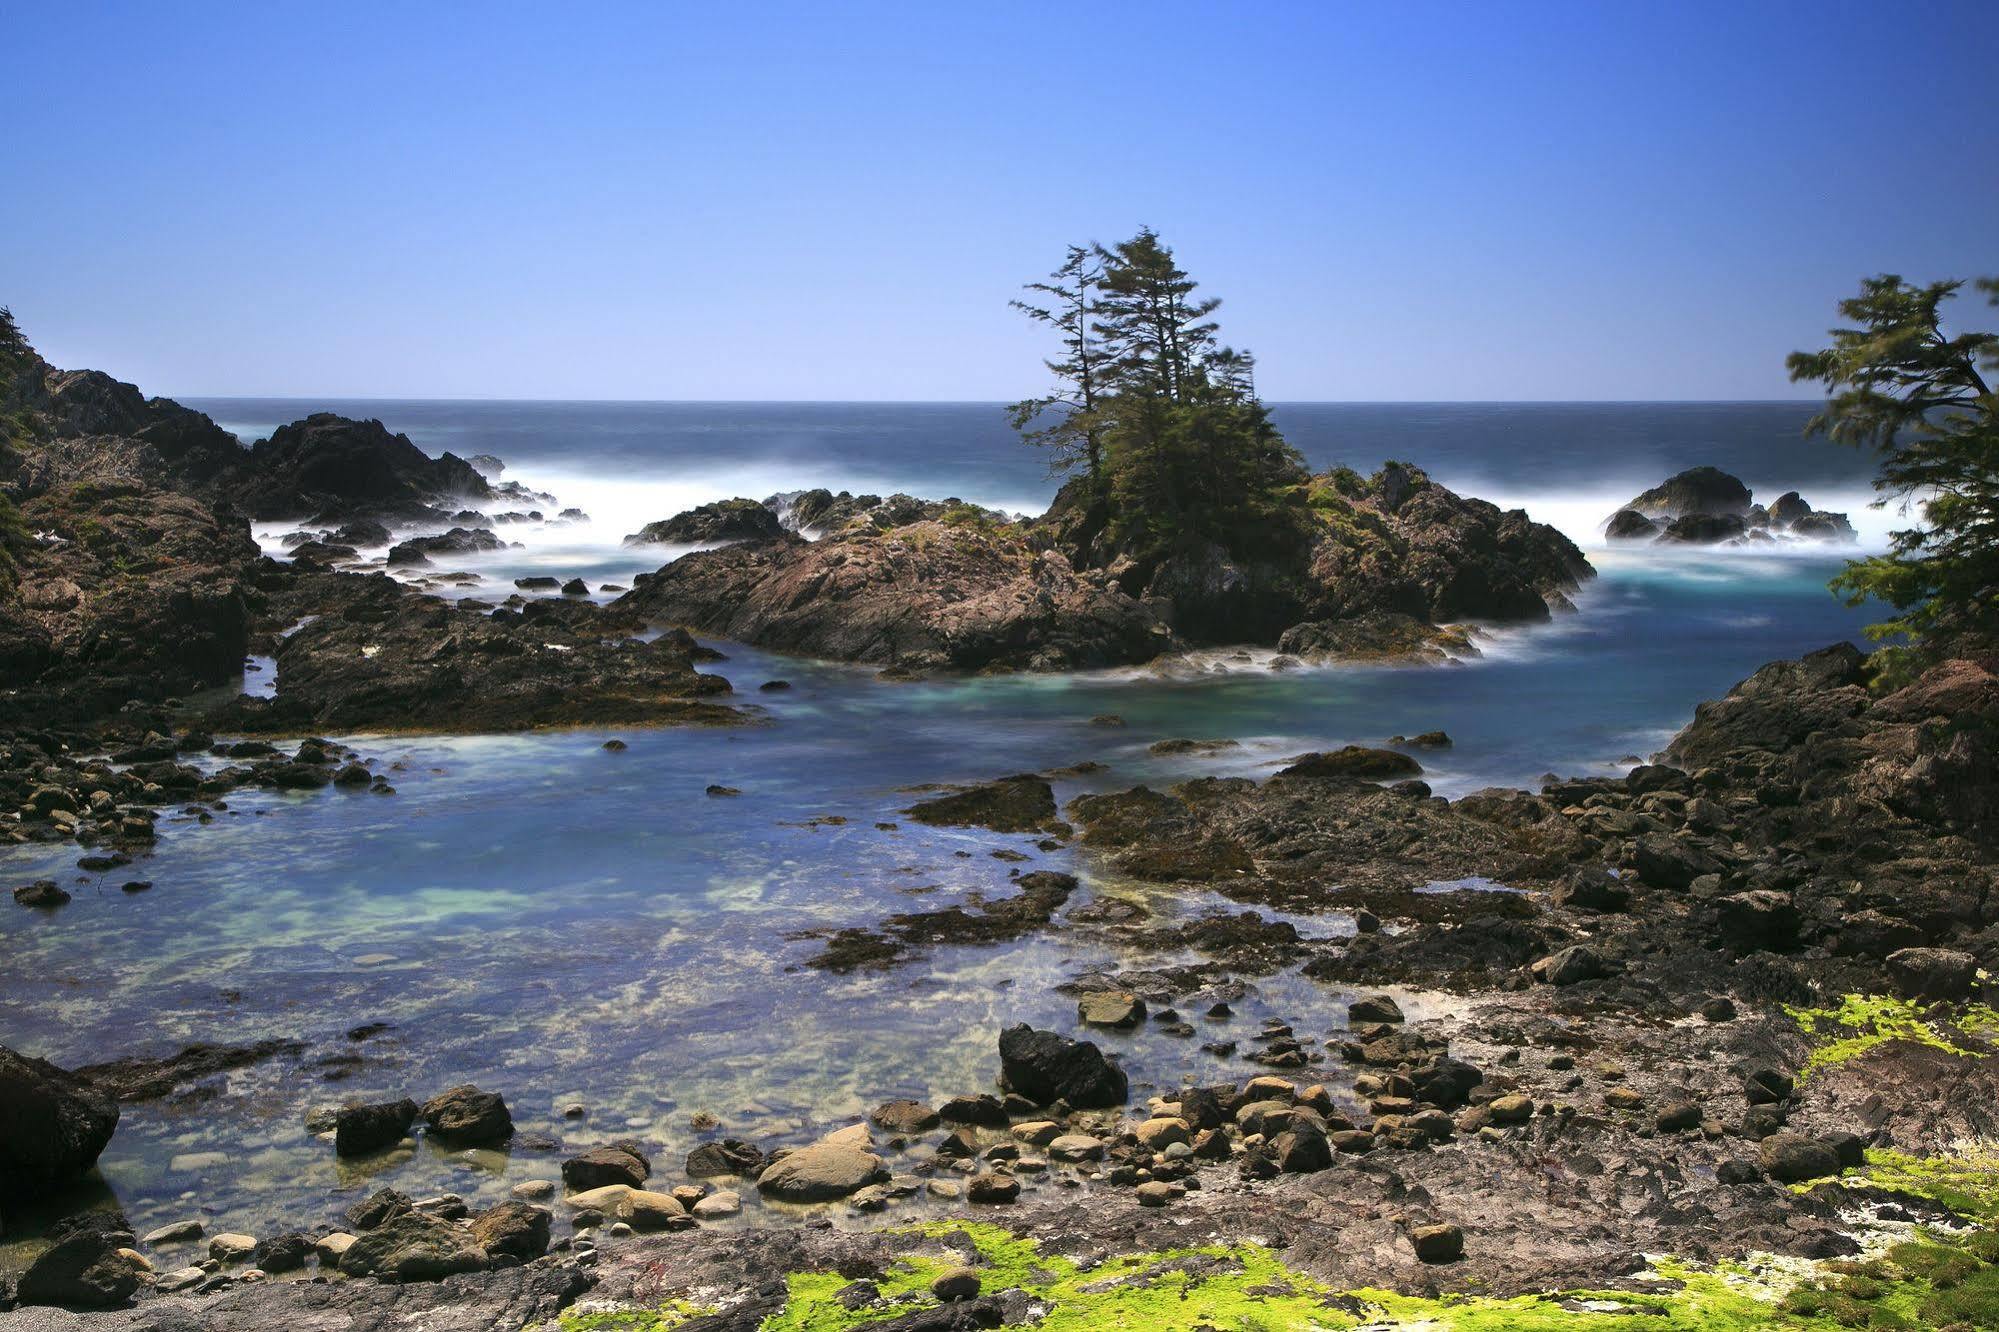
1012 804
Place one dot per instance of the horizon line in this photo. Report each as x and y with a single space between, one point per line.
980 402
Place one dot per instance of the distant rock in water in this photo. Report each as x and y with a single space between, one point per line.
724 520
1702 490
1380 569
1705 506
458 541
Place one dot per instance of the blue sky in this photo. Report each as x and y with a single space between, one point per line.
1409 201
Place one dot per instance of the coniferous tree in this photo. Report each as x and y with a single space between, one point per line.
1923 402
1182 456
14 359
1064 421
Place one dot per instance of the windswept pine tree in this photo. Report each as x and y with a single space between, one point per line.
1181 468
1922 400
1063 420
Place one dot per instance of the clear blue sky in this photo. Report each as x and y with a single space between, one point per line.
835 200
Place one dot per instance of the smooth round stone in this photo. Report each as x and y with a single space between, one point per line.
725 1202
534 1190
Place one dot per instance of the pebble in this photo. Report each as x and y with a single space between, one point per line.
534 1190
180 1232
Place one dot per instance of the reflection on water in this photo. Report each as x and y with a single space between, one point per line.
572 926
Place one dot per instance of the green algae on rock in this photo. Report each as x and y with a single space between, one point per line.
1864 1022
1935 1282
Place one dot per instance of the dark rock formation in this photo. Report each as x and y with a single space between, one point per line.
382 656
1706 506
1013 804
1698 490
329 468
53 1124
1046 1067
724 520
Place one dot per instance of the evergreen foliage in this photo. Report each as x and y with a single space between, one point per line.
1923 402
1176 449
15 358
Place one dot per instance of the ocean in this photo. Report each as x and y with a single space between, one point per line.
571 926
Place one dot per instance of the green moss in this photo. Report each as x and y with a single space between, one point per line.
1930 1283
1864 1022
1967 1182
663 1319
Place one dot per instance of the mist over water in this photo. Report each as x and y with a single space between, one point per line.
564 925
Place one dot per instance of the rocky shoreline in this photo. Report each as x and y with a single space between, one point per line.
1735 1001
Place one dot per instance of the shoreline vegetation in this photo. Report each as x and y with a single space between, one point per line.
1720 1055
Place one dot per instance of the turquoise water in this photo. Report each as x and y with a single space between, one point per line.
573 926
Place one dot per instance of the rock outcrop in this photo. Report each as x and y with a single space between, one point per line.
329 469
931 595
724 520
382 656
1705 506
53 1124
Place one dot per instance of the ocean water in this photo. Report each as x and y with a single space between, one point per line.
571 926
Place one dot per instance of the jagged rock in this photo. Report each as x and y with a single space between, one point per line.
362 1130
414 1246
332 468
724 520
1025 803
53 1124
468 1117
1046 1067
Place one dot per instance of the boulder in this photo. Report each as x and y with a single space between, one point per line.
1110 1008
1696 491
727 1156
1373 1008
820 1173
1933 973
1438 1243
620 1163
1665 861
1630 525
907 1118
1355 762
415 1247
1759 919
53 1124
1025 803
89 1270
331 466
466 1116
1793 1158
512 1230
1703 529
1576 963
362 1130
1046 1067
